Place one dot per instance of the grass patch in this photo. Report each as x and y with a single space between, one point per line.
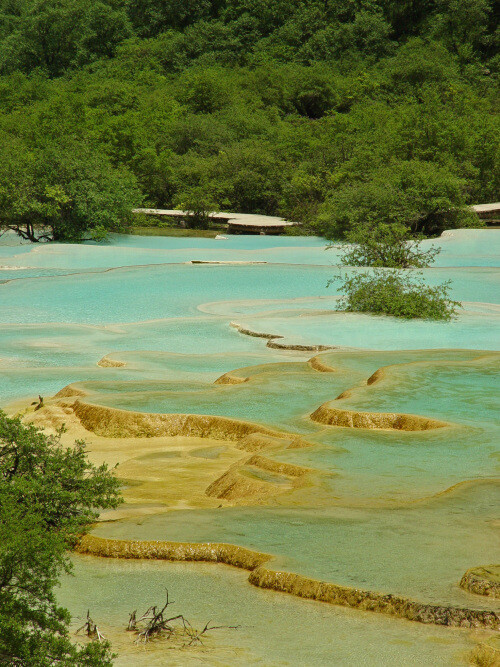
175 231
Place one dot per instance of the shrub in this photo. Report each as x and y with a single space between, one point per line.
198 204
389 245
397 293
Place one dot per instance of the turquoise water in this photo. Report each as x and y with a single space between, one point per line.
459 248
374 516
372 465
420 551
274 629
472 329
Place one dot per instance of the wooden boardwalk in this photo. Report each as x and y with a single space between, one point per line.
248 223
490 213
237 223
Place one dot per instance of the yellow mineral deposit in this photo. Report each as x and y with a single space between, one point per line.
319 365
189 464
229 554
255 442
272 341
376 377
288 582
183 461
230 378
116 423
482 580
244 480
327 414
484 655
107 362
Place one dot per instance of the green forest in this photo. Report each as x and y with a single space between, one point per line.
325 112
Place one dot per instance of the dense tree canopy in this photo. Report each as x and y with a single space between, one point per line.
420 195
302 109
62 192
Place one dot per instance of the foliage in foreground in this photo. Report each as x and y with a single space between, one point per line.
398 293
49 496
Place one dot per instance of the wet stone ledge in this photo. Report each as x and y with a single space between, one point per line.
482 581
289 582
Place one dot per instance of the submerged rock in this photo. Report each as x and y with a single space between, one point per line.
373 420
482 580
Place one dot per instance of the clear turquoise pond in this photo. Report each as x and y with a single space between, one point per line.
384 510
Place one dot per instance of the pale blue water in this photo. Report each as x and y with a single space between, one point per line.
459 248
155 292
373 519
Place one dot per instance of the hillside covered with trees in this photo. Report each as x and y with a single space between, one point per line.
307 109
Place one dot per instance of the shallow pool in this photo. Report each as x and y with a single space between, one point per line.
135 327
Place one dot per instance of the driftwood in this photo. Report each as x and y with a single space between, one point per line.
39 404
29 231
91 629
155 624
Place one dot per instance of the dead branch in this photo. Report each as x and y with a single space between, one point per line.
196 636
154 624
132 622
91 629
